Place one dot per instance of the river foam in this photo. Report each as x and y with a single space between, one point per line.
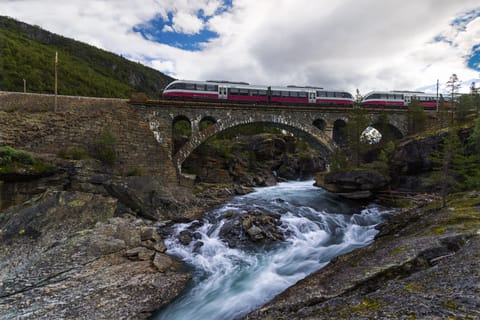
229 282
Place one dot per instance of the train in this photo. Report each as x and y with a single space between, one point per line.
246 93
402 99
242 92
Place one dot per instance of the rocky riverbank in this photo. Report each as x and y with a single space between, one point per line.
423 264
85 245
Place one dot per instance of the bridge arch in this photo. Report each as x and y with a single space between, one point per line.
320 124
388 131
310 133
206 122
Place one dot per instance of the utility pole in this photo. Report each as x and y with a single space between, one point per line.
56 82
438 83
24 86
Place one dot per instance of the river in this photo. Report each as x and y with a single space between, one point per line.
229 282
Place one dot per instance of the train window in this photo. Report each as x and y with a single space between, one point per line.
276 93
262 92
211 87
285 94
200 87
243 92
179 85
190 86
302 94
233 91
294 94
253 92
330 94
321 94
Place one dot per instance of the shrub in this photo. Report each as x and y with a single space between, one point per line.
104 148
73 153
12 160
9 155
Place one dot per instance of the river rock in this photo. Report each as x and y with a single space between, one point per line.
151 199
360 184
251 229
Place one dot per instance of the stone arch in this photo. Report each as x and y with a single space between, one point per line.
206 122
320 124
311 134
180 135
339 135
388 131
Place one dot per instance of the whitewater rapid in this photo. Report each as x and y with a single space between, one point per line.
229 282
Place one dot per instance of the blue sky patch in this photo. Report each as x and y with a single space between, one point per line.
474 59
153 31
440 38
460 23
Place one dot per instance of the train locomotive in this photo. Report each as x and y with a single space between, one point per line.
244 92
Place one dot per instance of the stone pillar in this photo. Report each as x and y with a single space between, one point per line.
329 131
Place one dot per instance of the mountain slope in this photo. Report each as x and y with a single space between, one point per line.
28 52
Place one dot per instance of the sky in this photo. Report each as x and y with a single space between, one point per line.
342 44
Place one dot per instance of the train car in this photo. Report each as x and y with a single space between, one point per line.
401 99
335 98
244 92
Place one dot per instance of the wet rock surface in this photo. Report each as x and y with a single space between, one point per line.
251 229
360 184
64 255
424 264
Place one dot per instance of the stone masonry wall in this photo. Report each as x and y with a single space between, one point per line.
27 121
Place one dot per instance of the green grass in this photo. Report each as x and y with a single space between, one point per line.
19 161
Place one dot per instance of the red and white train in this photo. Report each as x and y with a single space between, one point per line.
244 92
402 99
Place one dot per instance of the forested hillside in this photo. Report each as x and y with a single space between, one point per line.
28 52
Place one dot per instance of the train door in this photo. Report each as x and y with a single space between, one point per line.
408 99
222 92
312 96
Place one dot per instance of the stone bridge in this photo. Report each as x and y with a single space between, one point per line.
318 126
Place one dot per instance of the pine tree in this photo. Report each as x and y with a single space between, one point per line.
453 85
416 117
464 108
447 164
358 121
442 116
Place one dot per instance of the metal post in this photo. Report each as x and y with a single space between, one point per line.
24 86
437 94
56 82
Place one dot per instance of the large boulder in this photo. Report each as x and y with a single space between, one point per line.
149 198
361 184
250 230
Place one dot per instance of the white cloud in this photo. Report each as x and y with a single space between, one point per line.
349 44
187 23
